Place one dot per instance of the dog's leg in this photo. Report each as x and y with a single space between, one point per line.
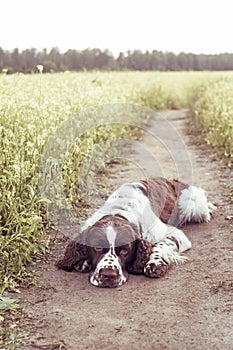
166 252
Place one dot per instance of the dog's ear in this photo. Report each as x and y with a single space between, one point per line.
142 255
75 256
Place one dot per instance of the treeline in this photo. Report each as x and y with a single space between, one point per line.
27 60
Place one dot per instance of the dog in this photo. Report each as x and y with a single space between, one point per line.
136 231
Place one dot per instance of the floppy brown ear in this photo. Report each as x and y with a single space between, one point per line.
142 255
75 257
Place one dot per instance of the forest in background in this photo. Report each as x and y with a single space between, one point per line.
27 60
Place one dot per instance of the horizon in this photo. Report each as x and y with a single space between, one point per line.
116 54
197 27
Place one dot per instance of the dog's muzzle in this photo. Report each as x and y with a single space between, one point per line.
108 272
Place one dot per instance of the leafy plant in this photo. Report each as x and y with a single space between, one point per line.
8 303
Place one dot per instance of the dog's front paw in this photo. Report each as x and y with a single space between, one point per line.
155 269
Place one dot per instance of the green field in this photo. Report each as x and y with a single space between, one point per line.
33 106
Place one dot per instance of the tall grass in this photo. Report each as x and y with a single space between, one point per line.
33 106
212 118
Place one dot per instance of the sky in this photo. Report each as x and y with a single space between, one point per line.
197 26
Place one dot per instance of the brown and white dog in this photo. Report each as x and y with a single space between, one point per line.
135 231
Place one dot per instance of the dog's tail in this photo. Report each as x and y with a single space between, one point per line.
194 206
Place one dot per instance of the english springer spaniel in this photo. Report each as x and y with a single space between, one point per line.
136 232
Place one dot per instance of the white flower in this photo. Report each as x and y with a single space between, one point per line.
40 68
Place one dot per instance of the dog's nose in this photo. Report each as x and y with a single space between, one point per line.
109 276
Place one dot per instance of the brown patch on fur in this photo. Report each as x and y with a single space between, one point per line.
163 195
142 255
75 255
114 220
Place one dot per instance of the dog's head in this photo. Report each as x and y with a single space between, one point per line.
110 249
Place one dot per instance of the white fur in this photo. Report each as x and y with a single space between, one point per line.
105 263
111 236
127 201
109 261
167 248
182 239
167 252
193 205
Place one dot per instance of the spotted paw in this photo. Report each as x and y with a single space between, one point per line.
155 269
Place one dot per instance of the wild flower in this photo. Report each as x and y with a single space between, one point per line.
40 68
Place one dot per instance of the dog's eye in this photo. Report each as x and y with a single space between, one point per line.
124 251
98 249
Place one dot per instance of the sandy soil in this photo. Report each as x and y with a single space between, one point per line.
190 308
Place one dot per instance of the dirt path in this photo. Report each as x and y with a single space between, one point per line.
190 308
